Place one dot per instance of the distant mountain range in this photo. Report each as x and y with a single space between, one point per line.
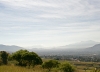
83 47
95 48
80 45
77 48
12 48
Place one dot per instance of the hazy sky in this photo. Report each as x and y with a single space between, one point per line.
49 22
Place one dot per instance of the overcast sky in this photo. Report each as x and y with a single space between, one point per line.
49 23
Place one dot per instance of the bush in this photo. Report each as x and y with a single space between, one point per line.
50 64
67 67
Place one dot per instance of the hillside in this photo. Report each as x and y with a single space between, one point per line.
12 48
95 48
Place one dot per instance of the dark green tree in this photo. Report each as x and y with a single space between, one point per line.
50 64
4 57
26 58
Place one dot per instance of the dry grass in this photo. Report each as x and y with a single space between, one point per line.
20 69
80 68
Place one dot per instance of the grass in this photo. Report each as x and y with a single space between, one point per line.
13 69
20 69
80 66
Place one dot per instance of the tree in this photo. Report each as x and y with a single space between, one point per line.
67 67
4 57
50 64
26 58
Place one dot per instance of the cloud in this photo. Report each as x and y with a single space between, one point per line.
49 22
42 10
28 4
57 7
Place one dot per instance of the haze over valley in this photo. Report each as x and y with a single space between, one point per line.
83 47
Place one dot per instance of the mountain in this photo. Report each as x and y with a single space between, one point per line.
95 48
12 48
77 48
81 47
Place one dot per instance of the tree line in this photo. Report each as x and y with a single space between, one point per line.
23 58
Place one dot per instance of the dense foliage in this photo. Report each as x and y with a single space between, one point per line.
67 67
50 64
3 57
25 58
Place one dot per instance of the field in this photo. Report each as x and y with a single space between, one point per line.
80 67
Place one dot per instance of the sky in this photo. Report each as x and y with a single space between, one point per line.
49 23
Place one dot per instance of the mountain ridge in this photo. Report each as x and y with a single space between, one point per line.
73 48
11 48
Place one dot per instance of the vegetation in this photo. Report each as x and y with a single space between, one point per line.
25 61
67 67
26 58
3 57
38 68
11 68
50 64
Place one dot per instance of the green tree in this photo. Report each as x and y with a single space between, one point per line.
67 67
4 57
50 64
26 58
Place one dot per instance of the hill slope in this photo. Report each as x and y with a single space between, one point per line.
12 48
94 48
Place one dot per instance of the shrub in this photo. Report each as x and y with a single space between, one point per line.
50 64
67 67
